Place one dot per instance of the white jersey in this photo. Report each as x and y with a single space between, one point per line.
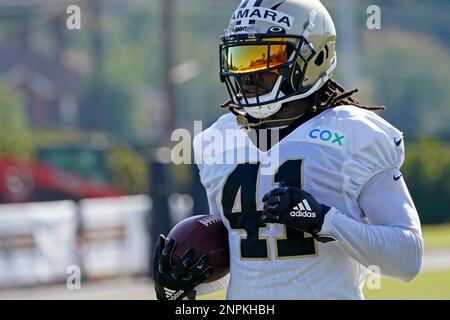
332 156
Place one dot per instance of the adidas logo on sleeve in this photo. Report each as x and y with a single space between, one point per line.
303 210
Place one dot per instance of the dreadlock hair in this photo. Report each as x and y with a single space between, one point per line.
332 95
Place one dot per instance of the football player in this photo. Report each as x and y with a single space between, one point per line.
308 214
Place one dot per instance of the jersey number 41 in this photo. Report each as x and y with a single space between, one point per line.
239 203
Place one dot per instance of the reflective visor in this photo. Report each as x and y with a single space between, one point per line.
249 58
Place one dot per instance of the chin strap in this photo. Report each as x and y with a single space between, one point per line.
243 122
241 115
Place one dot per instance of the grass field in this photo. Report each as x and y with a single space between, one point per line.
437 237
427 285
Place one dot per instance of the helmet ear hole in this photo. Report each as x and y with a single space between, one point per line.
296 77
320 58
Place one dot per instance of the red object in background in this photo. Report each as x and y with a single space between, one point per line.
23 182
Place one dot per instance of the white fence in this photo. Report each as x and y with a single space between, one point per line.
104 237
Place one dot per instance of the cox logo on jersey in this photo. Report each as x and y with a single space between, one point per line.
333 137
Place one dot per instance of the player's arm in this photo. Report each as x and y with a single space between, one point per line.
392 240
180 281
198 159
177 282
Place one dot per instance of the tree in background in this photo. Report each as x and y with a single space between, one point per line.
427 172
15 135
410 74
129 170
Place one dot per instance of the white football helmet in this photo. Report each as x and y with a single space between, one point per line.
294 39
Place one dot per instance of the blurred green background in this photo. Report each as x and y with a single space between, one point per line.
99 101
138 69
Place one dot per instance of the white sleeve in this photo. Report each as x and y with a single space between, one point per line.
392 239
198 149
206 288
213 209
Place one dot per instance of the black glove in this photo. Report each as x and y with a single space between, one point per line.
294 208
178 281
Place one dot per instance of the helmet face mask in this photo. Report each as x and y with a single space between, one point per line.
299 48
244 58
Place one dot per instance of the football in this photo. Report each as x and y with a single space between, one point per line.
206 235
